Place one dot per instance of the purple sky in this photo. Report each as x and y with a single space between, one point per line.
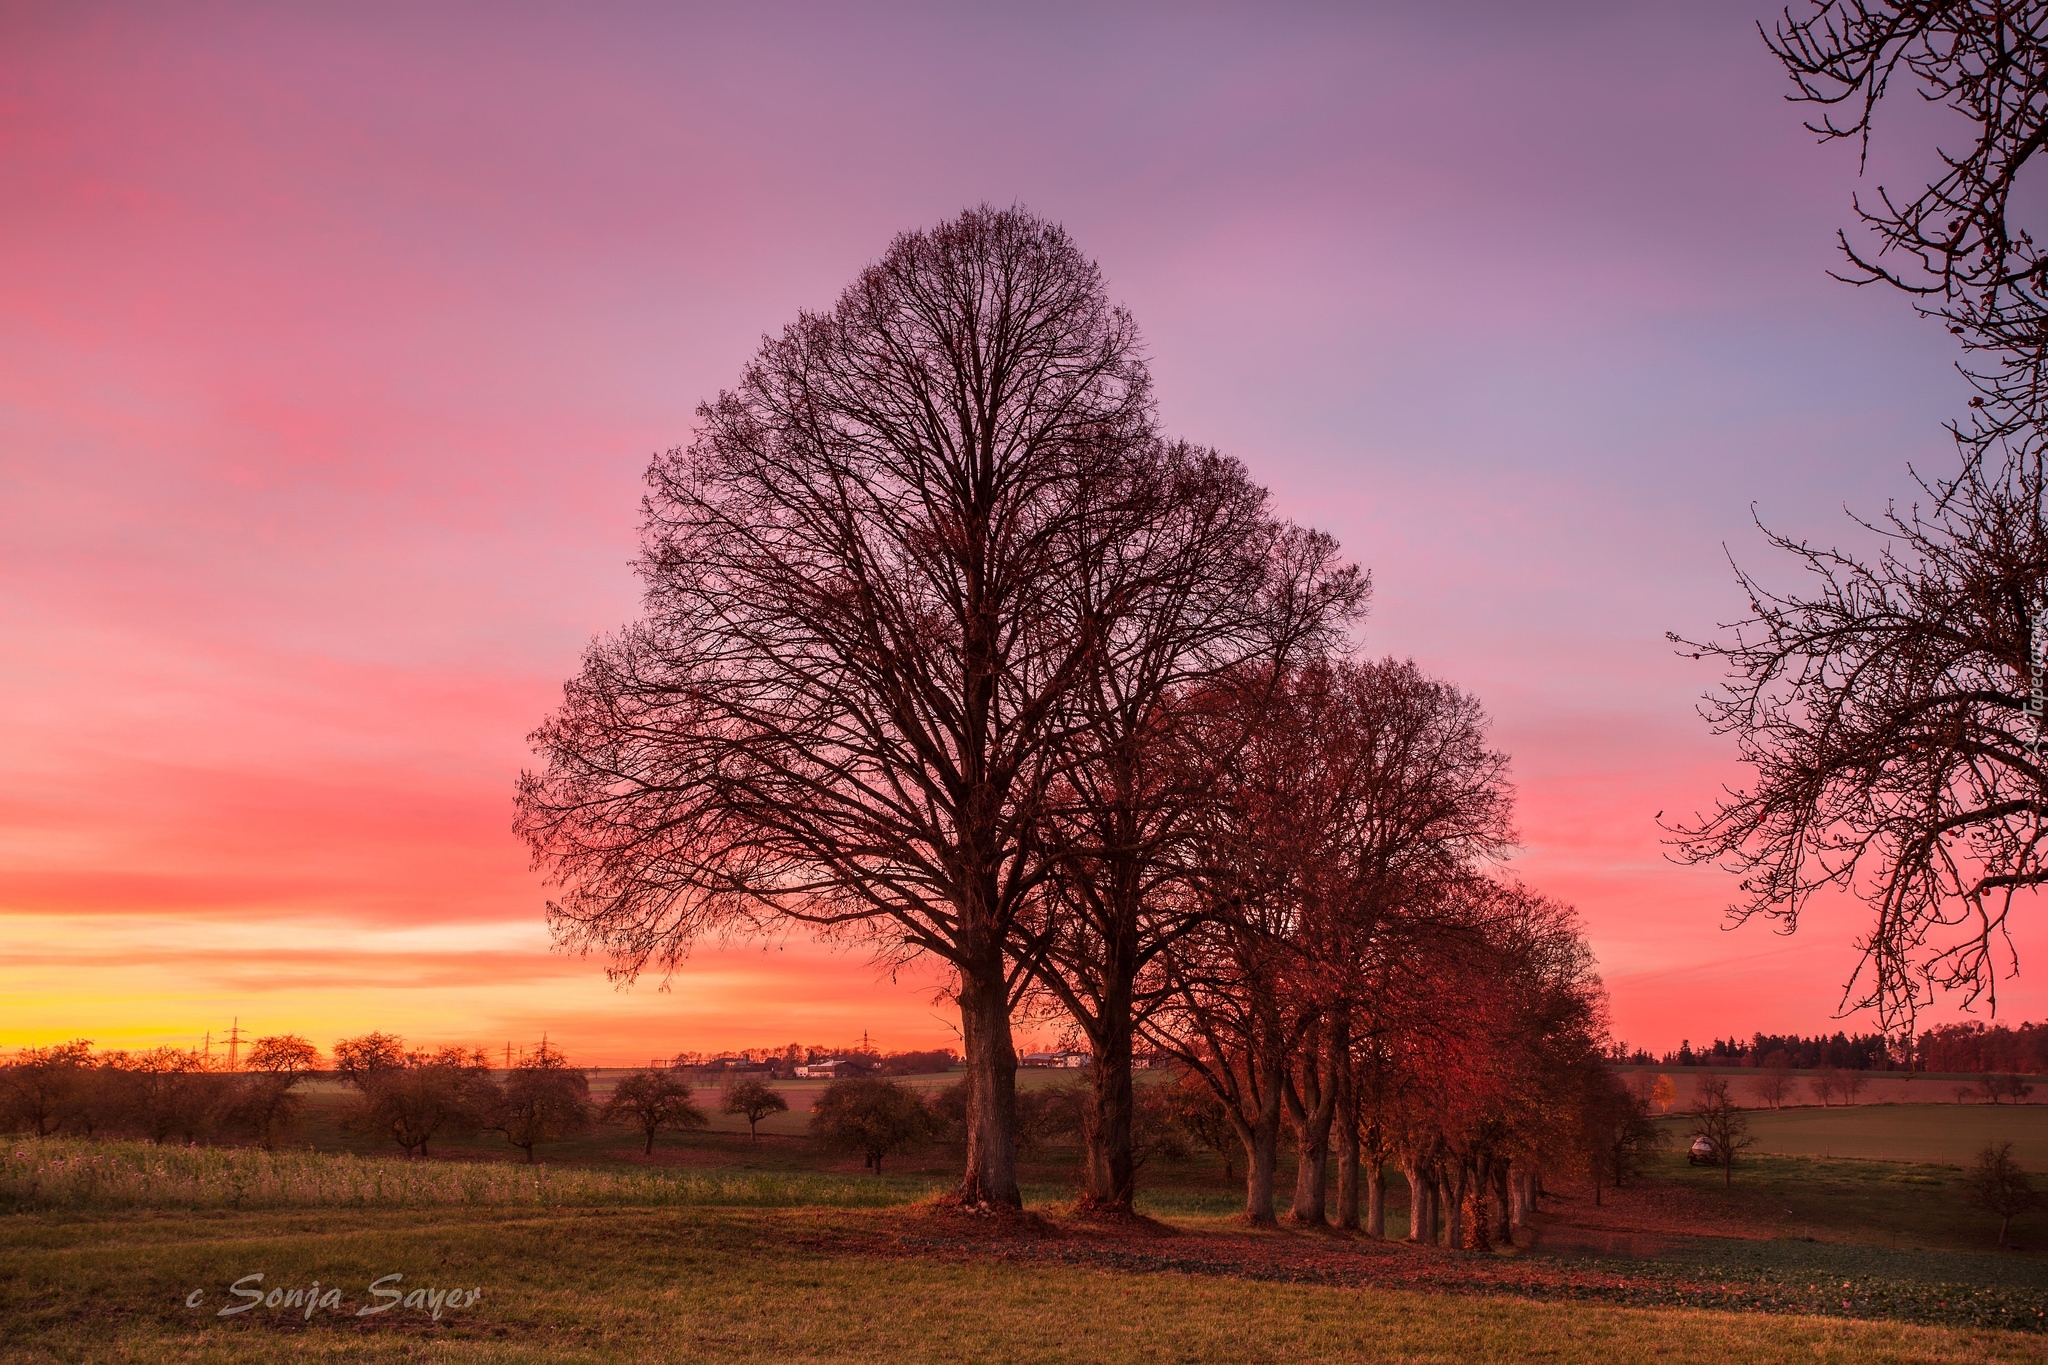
335 344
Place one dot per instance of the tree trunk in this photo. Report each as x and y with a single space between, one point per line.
991 1175
1421 1203
1500 1226
1521 1185
1452 1196
1376 1199
1347 1149
649 1149
1109 1179
1322 1060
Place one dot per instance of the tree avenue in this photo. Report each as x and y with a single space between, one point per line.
947 649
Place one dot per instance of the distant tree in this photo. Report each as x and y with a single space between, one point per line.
1719 1120
1823 1085
265 1102
752 1100
652 1100
1997 1185
169 1090
1663 1094
412 1097
1849 1083
41 1083
1773 1087
1618 1132
872 1116
543 1099
1997 1089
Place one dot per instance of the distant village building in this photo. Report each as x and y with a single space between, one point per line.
1063 1060
830 1069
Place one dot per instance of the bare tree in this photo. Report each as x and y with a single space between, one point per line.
412 1097
266 1101
543 1099
840 706
1209 585
1772 1087
1717 1118
1892 709
1998 1185
41 1083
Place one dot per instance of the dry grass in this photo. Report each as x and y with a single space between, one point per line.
71 1174
665 1284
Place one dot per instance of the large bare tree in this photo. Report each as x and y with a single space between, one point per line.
860 636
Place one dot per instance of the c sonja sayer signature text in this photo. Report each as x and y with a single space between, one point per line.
385 1293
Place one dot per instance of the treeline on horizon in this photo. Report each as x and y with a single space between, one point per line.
1959 1047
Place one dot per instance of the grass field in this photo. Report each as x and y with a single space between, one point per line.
1951 1134
638 1284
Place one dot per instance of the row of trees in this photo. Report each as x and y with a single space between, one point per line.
949 650
409 1096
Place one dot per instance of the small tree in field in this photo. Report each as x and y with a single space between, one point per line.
1997 1185
1719 1120
752 1100
1966 1093
1849 1083
651 1100
871 1116
265 1102
1773 1087
1822 1084
543 1099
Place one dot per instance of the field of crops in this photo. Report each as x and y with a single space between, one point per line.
1949 1134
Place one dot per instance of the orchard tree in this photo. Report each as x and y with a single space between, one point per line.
1997 1185
266 1101
860 637
872 1116
752 1100
413 1096
41 1084
543 1099
651 1100
1717 1118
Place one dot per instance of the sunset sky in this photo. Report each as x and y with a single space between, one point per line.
333 345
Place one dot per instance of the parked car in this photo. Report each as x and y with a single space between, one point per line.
1703 1153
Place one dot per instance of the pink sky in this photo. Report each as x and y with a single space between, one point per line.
333 347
